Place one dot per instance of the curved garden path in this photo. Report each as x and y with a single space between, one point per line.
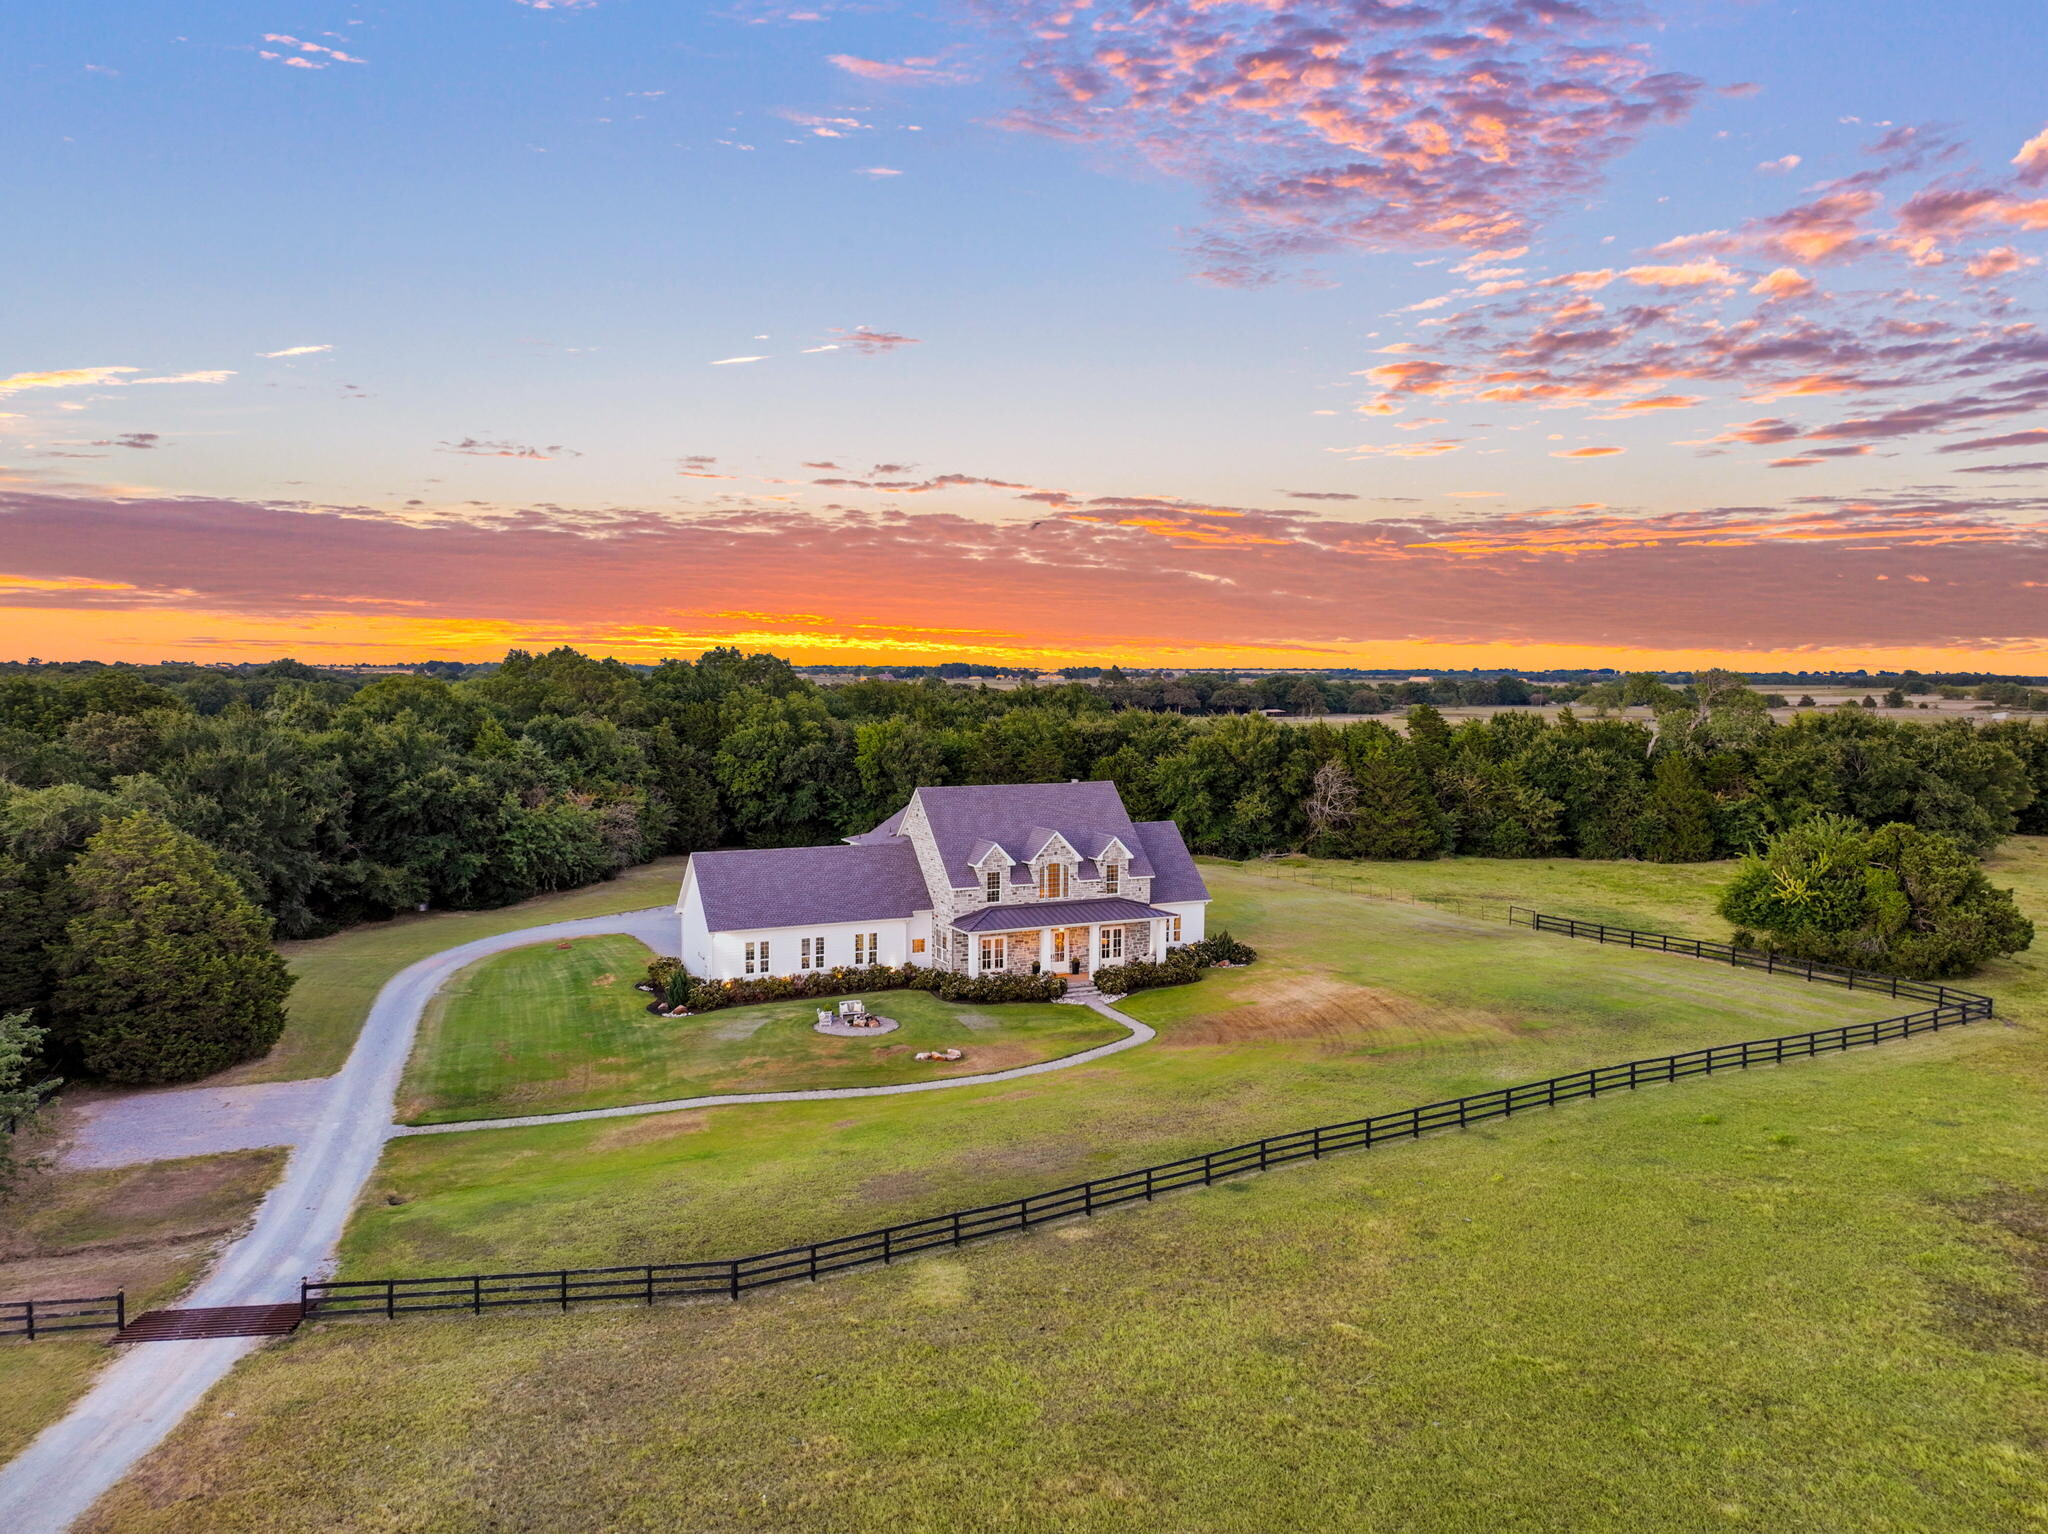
136 1400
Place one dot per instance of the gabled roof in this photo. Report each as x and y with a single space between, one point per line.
1174 875
965 820
887 831
803 886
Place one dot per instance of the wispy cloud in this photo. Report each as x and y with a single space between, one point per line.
306 55
296 351
479 447
924 71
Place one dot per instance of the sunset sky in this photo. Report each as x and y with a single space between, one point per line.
1370 333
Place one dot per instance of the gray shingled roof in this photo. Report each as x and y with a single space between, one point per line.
1055 913
1087 814
1174 875
803 886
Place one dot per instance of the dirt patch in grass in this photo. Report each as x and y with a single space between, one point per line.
128 1227
650 1130
1319 1007
2016 1222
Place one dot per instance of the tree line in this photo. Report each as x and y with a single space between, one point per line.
316 801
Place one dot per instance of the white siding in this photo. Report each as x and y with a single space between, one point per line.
727 957
1192 914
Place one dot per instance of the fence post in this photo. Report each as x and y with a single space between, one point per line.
121 1311
650 1283
887 1255
565 1289
31 1320
476 1294
957 1237
734 1276
1208 1168
1148 1185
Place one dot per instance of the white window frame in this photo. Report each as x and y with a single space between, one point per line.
995 952
1173 929
992 884
1112 944
1054 872
1112 875
811 953
762 945
866 947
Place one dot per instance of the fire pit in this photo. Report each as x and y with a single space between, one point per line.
860 1025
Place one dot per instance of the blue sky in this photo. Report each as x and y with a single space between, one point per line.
524 239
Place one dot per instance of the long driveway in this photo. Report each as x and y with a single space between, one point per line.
141 1396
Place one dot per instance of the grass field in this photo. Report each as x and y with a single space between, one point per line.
339 976
1805 1298
559 1026
146 1230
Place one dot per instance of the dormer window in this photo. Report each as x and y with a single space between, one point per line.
1052 882
993 880
1111 872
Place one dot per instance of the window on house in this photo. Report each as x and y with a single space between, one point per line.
865 945
995 953
1173 929
810 953
917 945
757 958
1112 942
1052 882
1111 874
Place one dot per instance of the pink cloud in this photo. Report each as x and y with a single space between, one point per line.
1133 568
1329 125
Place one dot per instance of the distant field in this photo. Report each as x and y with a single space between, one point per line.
1788 1299
558 1027
339 976
1937 709
147 1230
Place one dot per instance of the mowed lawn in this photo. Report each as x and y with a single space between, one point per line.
146 1230
559 1027
339 976
1801 1298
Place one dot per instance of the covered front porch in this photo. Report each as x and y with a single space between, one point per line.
1074 937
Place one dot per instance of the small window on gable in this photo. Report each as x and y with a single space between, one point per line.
1052 882
1111 875
994 883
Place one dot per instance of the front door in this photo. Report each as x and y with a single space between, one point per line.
1069 944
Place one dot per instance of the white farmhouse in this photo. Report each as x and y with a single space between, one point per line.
1024 877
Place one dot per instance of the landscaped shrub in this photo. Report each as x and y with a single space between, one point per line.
1000 987
1222 948
661 974
713 995
1181 968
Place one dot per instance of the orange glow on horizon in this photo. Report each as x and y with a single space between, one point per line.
147 636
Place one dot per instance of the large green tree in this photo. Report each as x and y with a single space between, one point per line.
166 972
21 1093
1896 899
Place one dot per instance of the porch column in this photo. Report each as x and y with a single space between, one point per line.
1045 950
1158 939
1094 945
973 953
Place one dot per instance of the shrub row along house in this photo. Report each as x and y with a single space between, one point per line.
1024 878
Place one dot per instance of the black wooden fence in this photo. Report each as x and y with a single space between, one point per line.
38 1318
1751 958
729 1278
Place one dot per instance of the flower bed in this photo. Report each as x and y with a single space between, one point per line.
712 995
